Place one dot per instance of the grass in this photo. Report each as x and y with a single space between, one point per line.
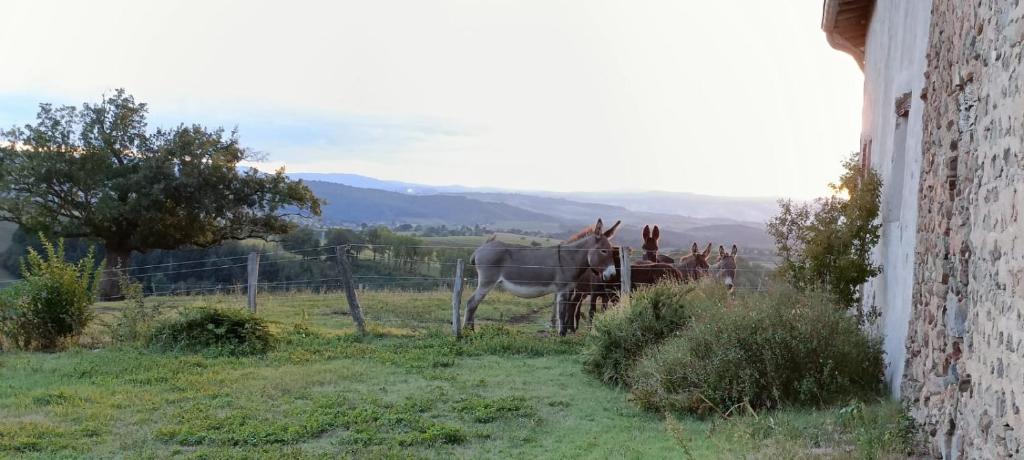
405 391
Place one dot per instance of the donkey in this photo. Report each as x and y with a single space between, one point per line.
650 246
597 288
725 268
647 273
695 265
531 272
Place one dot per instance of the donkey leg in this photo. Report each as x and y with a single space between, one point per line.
576 305
564 314
593 306
478 296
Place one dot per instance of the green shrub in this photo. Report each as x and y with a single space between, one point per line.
51 306
212 331
137 318
878 429
765 349
622 334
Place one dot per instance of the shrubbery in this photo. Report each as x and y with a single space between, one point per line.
137 319
622 334
779 348
51 305
212 331
698 349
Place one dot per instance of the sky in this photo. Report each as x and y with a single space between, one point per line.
731 98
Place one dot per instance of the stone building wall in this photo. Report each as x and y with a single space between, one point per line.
895 60
964 374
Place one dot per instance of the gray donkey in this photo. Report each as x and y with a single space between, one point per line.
531 272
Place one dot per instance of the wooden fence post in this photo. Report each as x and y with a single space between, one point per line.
345 272
627 276
457 300
253 276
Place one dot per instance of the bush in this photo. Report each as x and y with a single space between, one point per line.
622 334
765 350
137 318
51 306
212 331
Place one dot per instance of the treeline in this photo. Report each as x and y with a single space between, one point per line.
302 259
461 230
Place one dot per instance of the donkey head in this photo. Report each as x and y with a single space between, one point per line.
725 268
650 245
700 259
600 256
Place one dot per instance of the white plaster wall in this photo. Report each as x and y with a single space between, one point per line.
895 61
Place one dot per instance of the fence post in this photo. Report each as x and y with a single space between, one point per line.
253 276
627 276
457 300
345 272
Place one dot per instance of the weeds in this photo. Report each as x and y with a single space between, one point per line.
212 331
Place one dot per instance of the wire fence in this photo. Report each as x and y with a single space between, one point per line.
309 280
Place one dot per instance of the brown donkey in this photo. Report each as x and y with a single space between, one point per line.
695 265
650 246
531 272
593 286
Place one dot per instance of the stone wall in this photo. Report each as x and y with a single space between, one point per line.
964 374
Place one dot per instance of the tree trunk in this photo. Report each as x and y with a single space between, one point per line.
117 260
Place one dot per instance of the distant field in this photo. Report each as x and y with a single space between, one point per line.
473 241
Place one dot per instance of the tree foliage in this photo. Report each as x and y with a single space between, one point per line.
99 172
828 242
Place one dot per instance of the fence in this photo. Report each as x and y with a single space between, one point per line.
343 270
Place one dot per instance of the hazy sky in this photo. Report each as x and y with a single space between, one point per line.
741 98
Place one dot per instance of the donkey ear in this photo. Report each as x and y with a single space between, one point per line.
611 231
707 251
693 248
721 251
735 250
597 226
656 234
647 232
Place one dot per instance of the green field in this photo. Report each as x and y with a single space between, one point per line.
407 391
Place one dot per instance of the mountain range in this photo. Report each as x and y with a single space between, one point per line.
683 217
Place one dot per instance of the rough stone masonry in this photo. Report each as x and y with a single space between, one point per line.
964 374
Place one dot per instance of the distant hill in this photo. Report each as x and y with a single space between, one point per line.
670 203
347 205
688 204
356 180
353 205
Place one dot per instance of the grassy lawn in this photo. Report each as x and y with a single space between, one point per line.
408 390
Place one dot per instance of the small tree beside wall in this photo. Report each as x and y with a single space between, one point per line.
828 242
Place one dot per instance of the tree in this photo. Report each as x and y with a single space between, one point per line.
341 236
827 243
304 241
98 172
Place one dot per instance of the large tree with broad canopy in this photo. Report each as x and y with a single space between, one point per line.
99 172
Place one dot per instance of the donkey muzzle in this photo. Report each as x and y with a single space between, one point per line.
608 272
